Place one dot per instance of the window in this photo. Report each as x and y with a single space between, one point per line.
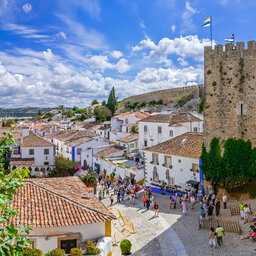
46 163
31 152
155 175
159 128
127 129
171 181
126 120
195 168
171 133
167 161
195 129
145 143
145 128
241 109
132 145
154 158
67 243
46 151
78 151
167 174
181 169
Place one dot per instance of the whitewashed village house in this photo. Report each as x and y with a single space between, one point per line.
162 127
130 142
36 154
175 161
71 214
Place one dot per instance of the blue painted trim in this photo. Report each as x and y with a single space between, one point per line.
35 130
201 178
43 134
73 153
92 158
159 191
51 141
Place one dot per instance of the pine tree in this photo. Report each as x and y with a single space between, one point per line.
111 104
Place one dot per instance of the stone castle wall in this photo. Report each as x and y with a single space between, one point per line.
168 96
230 92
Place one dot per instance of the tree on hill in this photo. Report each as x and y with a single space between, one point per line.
95 102
9 122
70 113
111 104
102 113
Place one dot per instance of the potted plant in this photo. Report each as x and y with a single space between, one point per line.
75 252
125 247
113 176
163 186
91 248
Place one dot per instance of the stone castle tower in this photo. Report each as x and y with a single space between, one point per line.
230 92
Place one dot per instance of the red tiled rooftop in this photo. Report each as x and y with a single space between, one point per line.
53 202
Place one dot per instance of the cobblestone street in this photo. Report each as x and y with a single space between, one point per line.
172 233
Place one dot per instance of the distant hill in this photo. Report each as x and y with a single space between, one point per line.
22 112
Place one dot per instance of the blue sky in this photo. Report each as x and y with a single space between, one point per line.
69 52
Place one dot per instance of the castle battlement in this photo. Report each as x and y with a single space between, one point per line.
230 92
230 48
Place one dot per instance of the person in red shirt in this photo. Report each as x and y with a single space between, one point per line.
136 191
156 208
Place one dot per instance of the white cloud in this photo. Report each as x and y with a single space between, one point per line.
186 47
122 66
27 7
116 54
24 31
142 25
173 28
187 24
61 35
100 62
182 62
48 54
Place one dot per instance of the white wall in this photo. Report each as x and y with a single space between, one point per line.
117 135
181 177
119 170
153 137
44 243
116 125
39 157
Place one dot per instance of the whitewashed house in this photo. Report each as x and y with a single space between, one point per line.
113 159
71 214
123 122
130 142
104 130
159 128
175 161
36 153
70 144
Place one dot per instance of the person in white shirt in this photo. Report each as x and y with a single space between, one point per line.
224 200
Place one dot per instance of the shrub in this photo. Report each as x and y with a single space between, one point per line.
76 252
31 252
57 252
91 248
125 247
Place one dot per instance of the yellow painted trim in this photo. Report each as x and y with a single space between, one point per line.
108 228
110 254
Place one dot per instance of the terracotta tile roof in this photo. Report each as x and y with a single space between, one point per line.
54 202
68 136
78 141
16 135
109 151
129 138
188 145
22 161
33 140
172 118
139 115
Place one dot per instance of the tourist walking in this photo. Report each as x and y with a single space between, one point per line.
133 198
193 202
148 203
170 201
202 213
241 206
246 213
111 199
217 207
156 208
212 237
219 233
152 201
100 195
144 199
224 200
210 210
118 196
184 207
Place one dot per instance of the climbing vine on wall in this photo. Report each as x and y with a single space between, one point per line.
233 169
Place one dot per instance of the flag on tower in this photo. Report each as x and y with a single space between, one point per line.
231 39
207 22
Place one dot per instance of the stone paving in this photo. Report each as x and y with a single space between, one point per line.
175 234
